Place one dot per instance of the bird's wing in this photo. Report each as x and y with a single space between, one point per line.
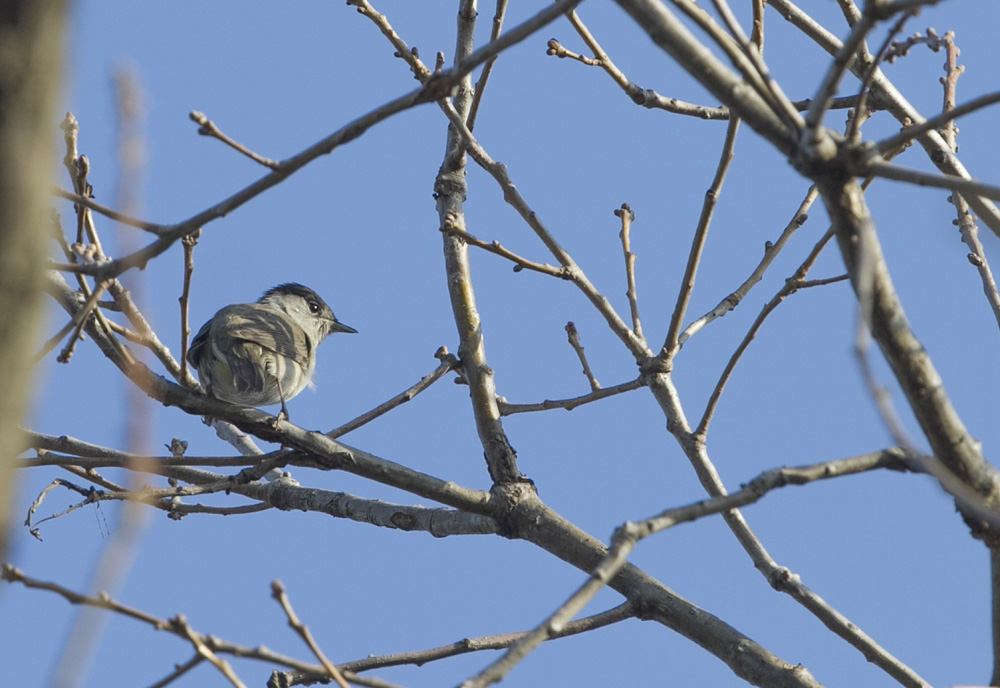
197 348
262 326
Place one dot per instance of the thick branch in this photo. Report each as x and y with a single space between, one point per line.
949 440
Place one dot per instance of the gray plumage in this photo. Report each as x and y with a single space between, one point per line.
257 354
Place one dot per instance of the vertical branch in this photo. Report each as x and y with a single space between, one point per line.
29 79
670 346
970 236
484 77
952 70
115 562
188 242
450 190
757 33
627 216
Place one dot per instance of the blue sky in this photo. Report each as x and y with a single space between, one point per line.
360 227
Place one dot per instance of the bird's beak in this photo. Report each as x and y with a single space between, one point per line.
338 326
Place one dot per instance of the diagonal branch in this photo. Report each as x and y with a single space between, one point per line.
950 441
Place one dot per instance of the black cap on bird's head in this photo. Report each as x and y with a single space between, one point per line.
317 306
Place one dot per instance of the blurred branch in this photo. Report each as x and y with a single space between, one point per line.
30 76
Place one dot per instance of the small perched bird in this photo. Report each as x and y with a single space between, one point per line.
257 354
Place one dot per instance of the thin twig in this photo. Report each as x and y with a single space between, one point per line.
812 136
409 55
771 251
878 392
184 630
970 235
207 127
626 537
909 133
188 242
860 112
13 575
179 670
649 98
574 341
671 344
151 227
747 62
520 263
753 53
511 194
627 216
879 168
484 76
952 72
790 287
757 34
508 409
447 362
279 594
502 641
75 324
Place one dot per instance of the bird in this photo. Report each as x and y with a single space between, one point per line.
263 353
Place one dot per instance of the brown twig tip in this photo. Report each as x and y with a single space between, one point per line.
626 208
932 40
556 49
207 127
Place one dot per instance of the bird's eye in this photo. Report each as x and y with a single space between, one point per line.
313 307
